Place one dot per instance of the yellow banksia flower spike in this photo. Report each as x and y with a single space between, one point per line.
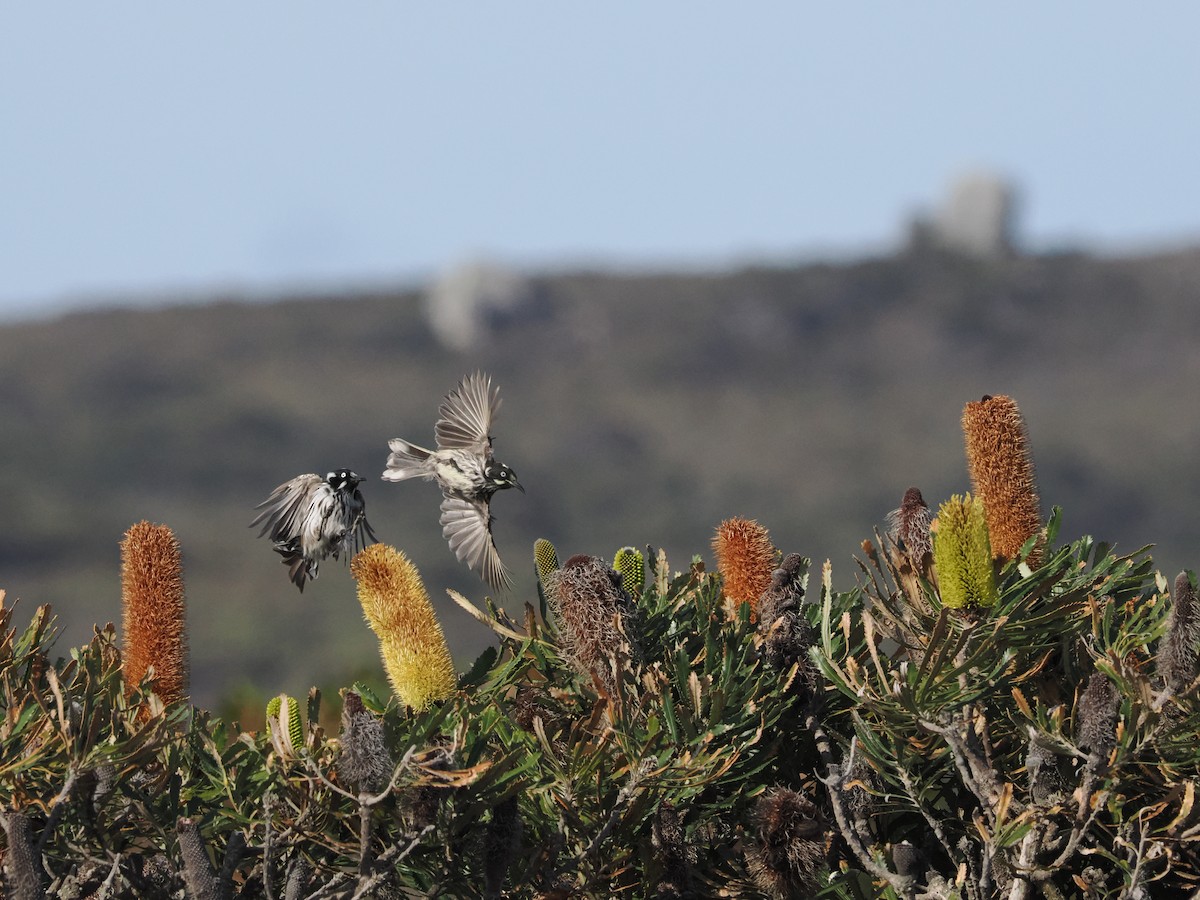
411 642
545 557
1002 474
962 554
632 566
154 614
745 558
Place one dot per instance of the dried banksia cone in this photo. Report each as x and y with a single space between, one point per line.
501 844
786 634
285 726
22 865
745 558
393 598
545 558
1002 474
786 854
154 613
632 566
963 555
364 761
593 616
908 526
1177 655
1096 715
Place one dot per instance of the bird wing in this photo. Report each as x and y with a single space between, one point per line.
467 525
465 416
283 512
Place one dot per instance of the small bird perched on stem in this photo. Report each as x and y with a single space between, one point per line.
465 470
310 518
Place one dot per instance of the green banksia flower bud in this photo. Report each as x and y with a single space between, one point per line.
963 555
745 558
285 725
1002 474
786 855
396 606
632 566
908 526
593 617
154 612
364 761
1096 715
545 557
1176 663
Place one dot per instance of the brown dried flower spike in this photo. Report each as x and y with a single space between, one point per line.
1002 474
154 613
745 558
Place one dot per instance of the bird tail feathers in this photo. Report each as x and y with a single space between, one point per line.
405 461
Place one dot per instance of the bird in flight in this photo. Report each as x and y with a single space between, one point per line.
310 518
464 468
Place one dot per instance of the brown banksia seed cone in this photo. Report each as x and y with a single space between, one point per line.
745 558
364 761
1002 474
1176 663
411 642
1096 716
786 855
594 618
153 610
909 525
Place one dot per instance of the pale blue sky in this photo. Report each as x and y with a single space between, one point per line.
253 146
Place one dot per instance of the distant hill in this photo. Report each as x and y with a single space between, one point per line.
637 409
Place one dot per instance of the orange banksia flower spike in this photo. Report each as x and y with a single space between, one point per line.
1002 474
745 558
153 610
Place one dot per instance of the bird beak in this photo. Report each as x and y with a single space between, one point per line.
520 487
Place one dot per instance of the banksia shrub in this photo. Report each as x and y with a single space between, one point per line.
745 558
411 642
909 525
963 555
154 612
593 618
631 565
1002 474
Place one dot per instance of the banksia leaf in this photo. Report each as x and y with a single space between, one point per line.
963 555
411 642
632 566
1002 474
787 853
365 761
545 557
745 558
286 727
154 612
593 617
1177 655
909 527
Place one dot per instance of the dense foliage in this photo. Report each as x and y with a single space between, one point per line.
881 743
